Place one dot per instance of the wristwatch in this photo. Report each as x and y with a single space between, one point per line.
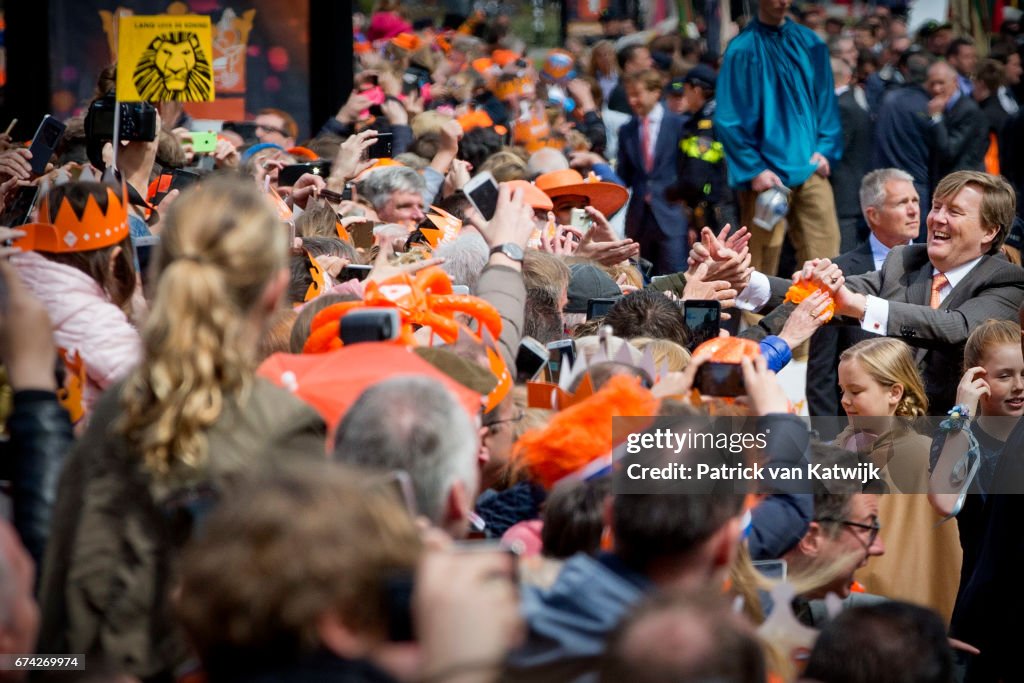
512 251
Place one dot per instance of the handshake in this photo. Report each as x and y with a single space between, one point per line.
824 274
727 257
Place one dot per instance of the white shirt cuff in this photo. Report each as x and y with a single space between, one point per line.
757 293
876 316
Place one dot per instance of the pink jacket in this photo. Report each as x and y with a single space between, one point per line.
84 320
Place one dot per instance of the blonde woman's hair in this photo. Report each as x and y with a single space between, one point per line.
664 351
985 337
220 246
890 361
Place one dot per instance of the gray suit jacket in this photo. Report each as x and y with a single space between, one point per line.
993 289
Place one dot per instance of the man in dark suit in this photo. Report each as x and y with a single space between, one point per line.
892 210
930 296
959 132
855 162
648 145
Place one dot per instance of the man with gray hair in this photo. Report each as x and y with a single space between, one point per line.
892 209
464 259
414 425
396 194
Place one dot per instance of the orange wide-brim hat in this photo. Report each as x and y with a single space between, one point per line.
603 196
534 196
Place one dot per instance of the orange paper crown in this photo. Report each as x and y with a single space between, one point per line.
64 230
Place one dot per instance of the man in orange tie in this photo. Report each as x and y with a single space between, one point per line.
929 295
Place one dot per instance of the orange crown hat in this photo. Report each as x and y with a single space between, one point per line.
446 227
603 196
62 230
578 442
534 196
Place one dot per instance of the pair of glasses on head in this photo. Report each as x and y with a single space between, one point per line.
873 528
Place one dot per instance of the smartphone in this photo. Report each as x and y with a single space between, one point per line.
289 175
775 570
354 270
703 319
44 142
180 180
562 353
460 289
381 148
482 192
578 218
370 325
530 359
19 211
144 247
720 379
203 142
598 308
331 196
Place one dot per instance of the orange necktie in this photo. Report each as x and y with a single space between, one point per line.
938 282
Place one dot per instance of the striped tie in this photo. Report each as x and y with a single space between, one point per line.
938 282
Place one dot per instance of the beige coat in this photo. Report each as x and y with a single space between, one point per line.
922 562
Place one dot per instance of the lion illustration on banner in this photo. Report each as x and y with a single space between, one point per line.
173 68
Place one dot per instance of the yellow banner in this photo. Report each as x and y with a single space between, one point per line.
164 58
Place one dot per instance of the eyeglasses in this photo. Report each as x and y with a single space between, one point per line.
873 528
520 414
271 129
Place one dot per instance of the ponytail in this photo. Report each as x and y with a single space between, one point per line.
219 249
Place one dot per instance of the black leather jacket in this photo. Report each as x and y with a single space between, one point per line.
40 436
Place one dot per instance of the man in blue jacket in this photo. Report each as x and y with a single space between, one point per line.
779 122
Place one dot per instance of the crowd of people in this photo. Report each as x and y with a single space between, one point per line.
355 407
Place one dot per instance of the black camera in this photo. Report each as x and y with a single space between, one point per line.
137 123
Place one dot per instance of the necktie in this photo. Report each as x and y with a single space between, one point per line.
645 142
938 282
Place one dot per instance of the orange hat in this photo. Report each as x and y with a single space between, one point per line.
62 230
478 118
407 41
578 441
504 57
380 163
605 197
535 197
483 65
531 134
304 152
729 349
